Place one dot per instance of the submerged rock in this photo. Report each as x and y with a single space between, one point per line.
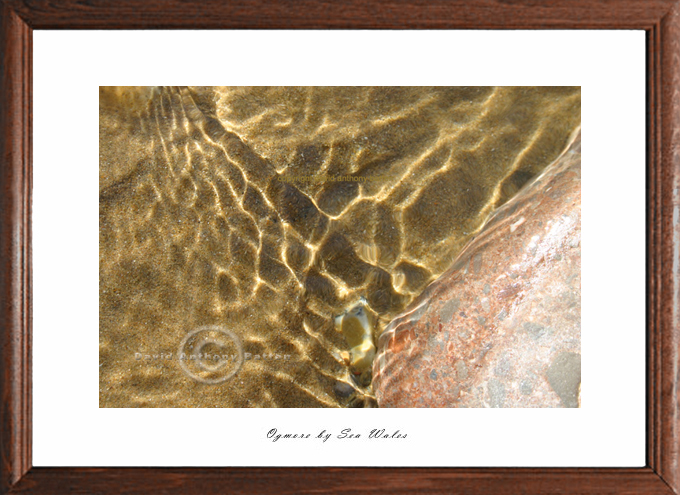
356 325
502 326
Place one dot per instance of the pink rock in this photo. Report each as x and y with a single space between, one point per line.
502 327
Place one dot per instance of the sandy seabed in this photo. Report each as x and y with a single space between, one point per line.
269 211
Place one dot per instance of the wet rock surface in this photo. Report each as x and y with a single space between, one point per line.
502 326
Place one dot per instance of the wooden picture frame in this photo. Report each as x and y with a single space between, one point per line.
661 21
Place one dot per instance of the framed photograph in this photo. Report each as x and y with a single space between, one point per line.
321 192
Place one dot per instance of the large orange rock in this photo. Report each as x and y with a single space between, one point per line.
502 327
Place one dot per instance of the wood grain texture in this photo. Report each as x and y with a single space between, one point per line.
659 18
15 260
300 481
345 14
668 223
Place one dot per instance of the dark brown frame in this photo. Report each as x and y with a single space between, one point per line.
661 21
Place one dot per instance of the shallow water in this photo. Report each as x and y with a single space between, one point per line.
268 212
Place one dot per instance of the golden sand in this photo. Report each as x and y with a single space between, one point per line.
271 211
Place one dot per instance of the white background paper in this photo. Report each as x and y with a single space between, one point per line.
69 428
